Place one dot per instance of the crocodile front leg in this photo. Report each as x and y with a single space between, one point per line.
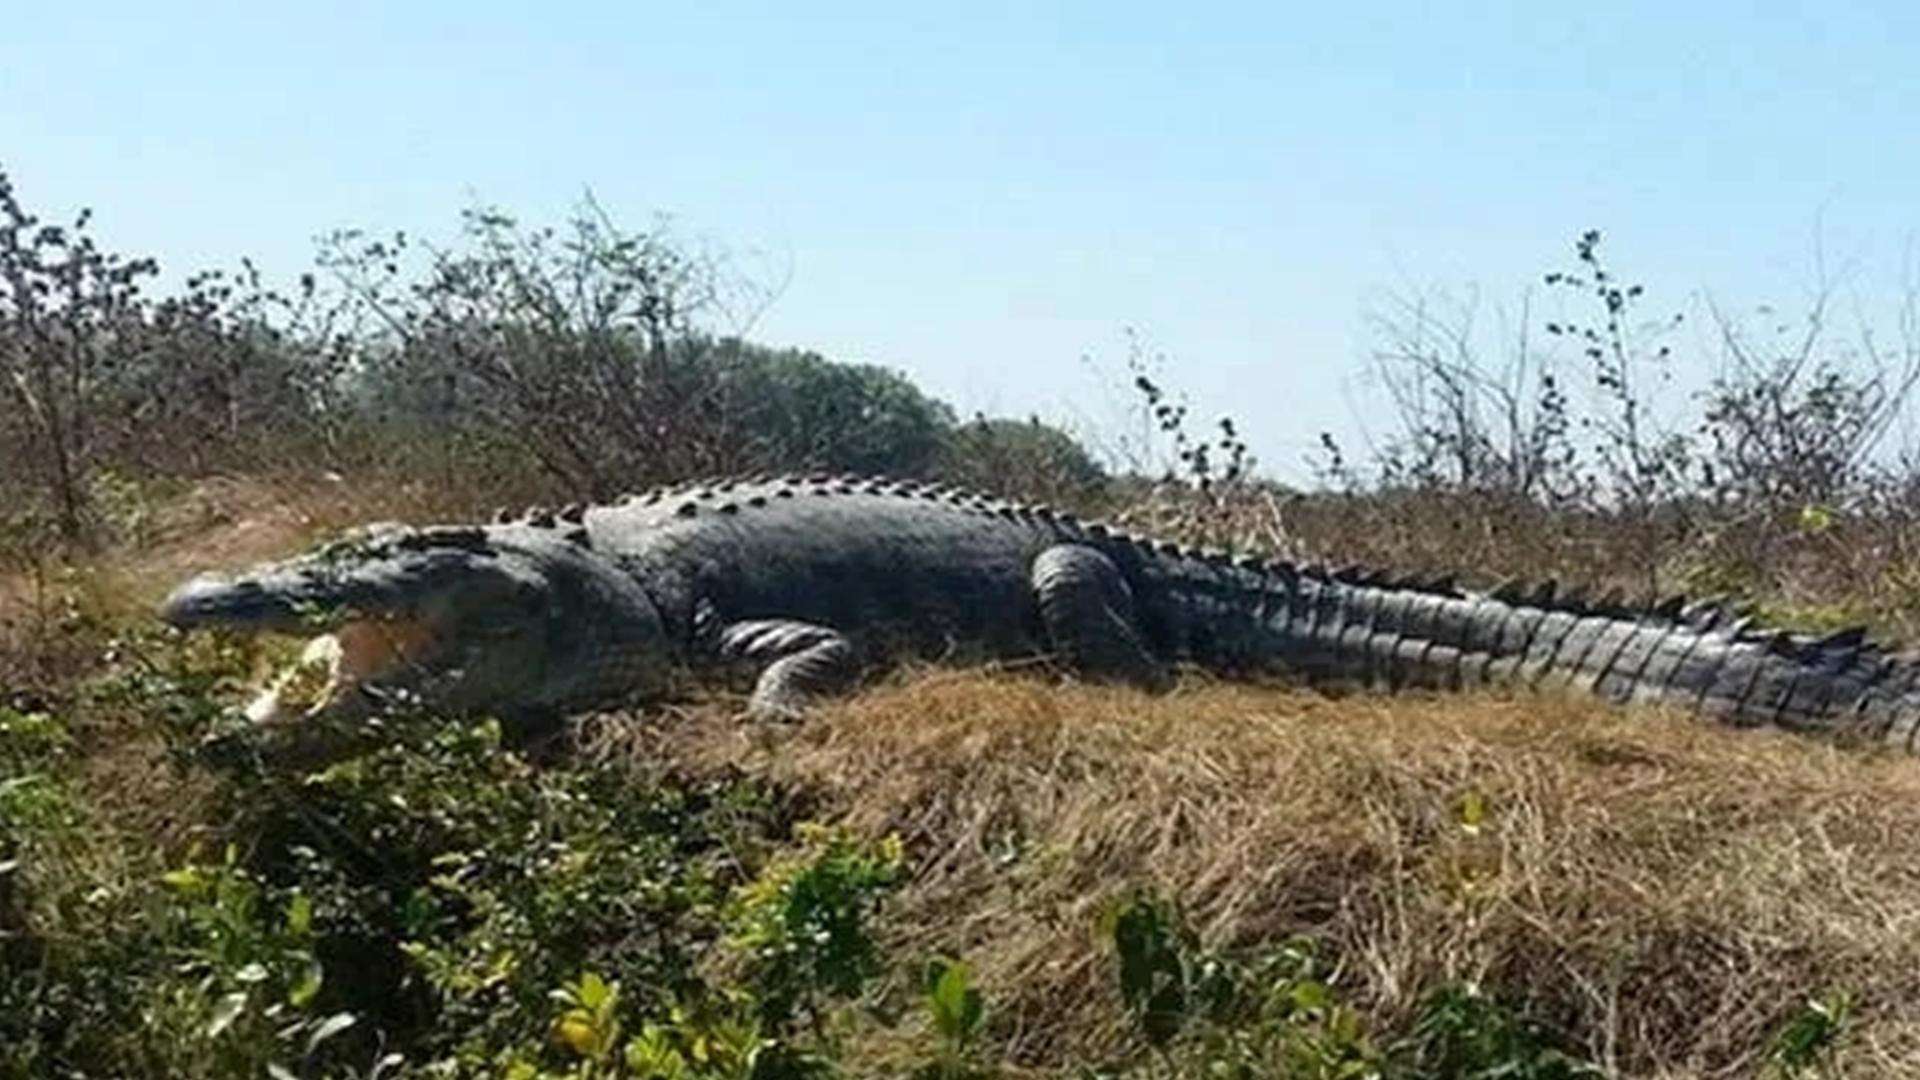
1087 608
803 661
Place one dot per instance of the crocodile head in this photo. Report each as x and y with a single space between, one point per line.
510 620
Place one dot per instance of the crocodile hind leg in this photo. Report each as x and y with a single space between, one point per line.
803 661
1087 608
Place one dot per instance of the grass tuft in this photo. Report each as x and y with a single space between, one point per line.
1665 894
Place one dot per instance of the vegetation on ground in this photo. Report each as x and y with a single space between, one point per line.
952 874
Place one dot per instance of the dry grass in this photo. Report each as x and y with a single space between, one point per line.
1663 891
1859 568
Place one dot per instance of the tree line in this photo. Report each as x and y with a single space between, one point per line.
583 358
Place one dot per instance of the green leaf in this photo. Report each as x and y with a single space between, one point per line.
1153 973
299 915
956 1005
1311 995
187 880
1472 810
302 993
592 991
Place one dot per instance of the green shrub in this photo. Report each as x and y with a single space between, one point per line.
1461 1032
1806 1044
803 926
958 1012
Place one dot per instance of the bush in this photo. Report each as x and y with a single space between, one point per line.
558 363
1025 459
792 409
588 351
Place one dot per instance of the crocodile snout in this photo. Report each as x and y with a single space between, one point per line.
209 600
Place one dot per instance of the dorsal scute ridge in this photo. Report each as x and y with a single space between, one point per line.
462 537
1709 615
1713 615
1721 616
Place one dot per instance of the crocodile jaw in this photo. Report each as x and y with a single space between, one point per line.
333 667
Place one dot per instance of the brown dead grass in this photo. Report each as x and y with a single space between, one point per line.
1663 891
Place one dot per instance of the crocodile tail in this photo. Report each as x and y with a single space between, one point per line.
1840 684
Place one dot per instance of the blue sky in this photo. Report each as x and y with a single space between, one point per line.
983 195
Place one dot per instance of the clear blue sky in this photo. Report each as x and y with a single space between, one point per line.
983 195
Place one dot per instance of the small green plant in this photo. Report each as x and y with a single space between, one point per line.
1464 1033
717 1042
605 875
1207 1014
256 978
33 746
588 1024
803 924
958 1011
1807 1043
1281 1015
1150 946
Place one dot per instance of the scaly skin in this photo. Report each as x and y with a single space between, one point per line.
814 581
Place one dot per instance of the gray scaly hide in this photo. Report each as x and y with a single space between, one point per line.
810 582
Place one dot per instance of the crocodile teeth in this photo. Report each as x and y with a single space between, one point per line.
333 665
304 688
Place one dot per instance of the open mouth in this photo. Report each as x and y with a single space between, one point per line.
335 668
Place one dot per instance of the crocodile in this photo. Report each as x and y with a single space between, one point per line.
803 585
